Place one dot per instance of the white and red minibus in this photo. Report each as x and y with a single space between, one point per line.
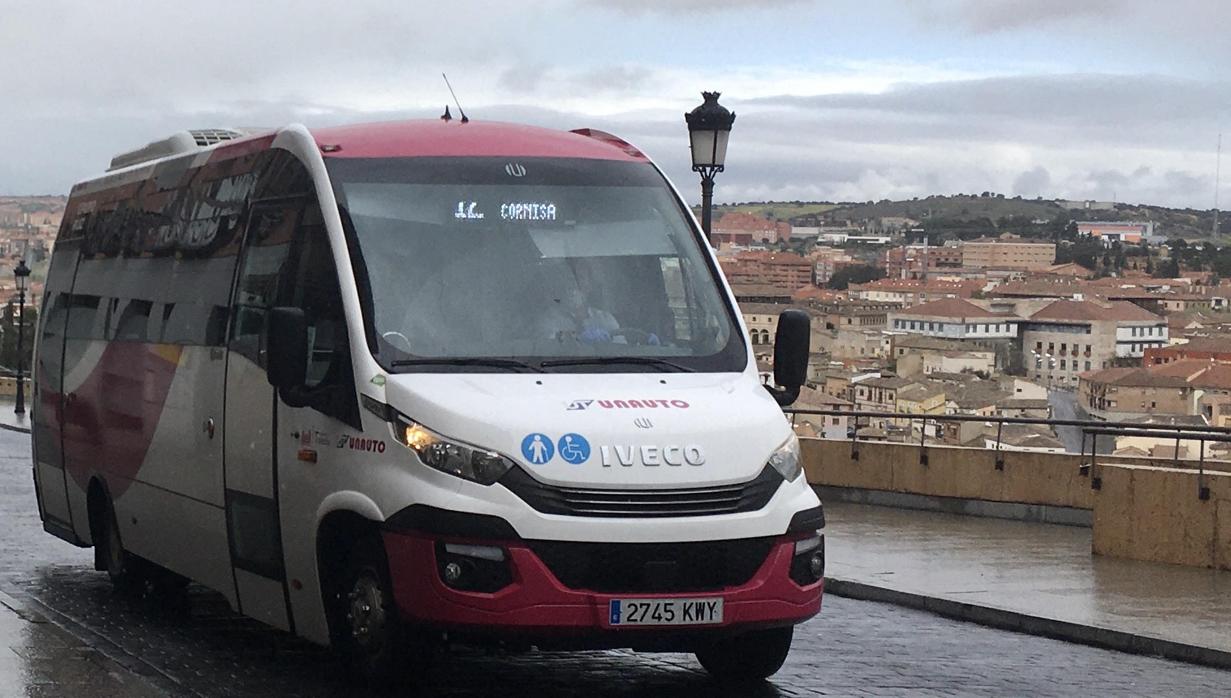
385 383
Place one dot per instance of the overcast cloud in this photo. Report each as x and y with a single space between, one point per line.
836 100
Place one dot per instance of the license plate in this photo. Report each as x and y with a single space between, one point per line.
665 611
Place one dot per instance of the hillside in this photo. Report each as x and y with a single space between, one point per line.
967 215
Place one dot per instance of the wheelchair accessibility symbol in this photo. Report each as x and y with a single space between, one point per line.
574 448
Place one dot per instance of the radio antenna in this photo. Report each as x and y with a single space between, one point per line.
459 104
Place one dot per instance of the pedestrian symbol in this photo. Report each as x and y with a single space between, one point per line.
574 448
537 449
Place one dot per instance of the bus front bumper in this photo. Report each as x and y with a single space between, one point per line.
532 601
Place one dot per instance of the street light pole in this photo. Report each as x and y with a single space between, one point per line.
707 201
22 272
709 128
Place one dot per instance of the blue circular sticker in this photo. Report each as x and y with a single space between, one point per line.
538 449
574 448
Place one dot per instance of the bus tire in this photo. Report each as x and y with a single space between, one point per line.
126 571
371 637
751 657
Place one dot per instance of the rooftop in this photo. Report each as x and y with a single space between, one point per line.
953 308
1085 310
1132 376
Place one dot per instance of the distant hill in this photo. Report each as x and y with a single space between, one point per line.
965 215
958 208
782 211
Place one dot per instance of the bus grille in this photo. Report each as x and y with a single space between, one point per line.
627 503
653 567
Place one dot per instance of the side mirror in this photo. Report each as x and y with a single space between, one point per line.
791 344
286 342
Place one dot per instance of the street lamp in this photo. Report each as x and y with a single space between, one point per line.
709 127
22 272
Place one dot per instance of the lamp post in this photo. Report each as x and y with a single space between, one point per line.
22 272
709 127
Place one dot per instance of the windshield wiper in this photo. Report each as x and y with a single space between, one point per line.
469 361
609 360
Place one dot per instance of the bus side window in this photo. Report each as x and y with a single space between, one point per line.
82 314
134 321
270 229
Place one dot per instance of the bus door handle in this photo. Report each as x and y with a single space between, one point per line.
209 427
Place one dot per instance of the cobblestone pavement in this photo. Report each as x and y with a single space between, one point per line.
194 645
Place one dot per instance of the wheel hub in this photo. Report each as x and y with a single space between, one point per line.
366 610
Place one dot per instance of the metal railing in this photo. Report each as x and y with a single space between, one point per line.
1091 430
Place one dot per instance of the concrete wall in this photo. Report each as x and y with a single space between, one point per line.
1143 512
1149 513
968 473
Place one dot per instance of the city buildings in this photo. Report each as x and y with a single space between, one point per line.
919 261
914 355
1202 348
1117 394
1008 252
746 229
907 292
783 270
1110 232
954 318
1068 337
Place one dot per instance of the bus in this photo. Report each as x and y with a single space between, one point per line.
384 384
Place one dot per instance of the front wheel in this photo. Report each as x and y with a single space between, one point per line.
751 657
370 636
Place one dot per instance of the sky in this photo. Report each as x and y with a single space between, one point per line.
835 100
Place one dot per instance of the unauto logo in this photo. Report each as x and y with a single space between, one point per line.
515 169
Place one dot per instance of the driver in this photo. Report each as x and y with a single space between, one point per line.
574 315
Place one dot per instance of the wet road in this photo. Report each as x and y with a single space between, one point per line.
1064 406
193 645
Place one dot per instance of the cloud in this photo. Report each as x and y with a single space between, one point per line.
1033 182
837 100
989 16
690 6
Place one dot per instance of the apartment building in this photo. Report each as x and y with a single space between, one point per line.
918 261
1185 388
783 270
954 318
1008 252
1066 338
907 292
868 315
1203 348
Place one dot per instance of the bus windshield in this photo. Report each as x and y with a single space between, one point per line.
543 263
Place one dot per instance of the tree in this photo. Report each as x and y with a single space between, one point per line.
1085 251
1167 269
1222 262
855 274
8 337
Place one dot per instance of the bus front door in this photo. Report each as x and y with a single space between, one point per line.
251 420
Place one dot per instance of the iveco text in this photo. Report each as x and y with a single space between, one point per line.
392 381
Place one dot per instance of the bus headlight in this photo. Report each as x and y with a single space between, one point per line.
786 459
451 456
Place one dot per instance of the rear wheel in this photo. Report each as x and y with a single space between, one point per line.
127 571
370 636
751 657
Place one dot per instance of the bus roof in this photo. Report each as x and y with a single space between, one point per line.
436 138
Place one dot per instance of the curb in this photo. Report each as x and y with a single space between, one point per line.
105 646
1016 621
